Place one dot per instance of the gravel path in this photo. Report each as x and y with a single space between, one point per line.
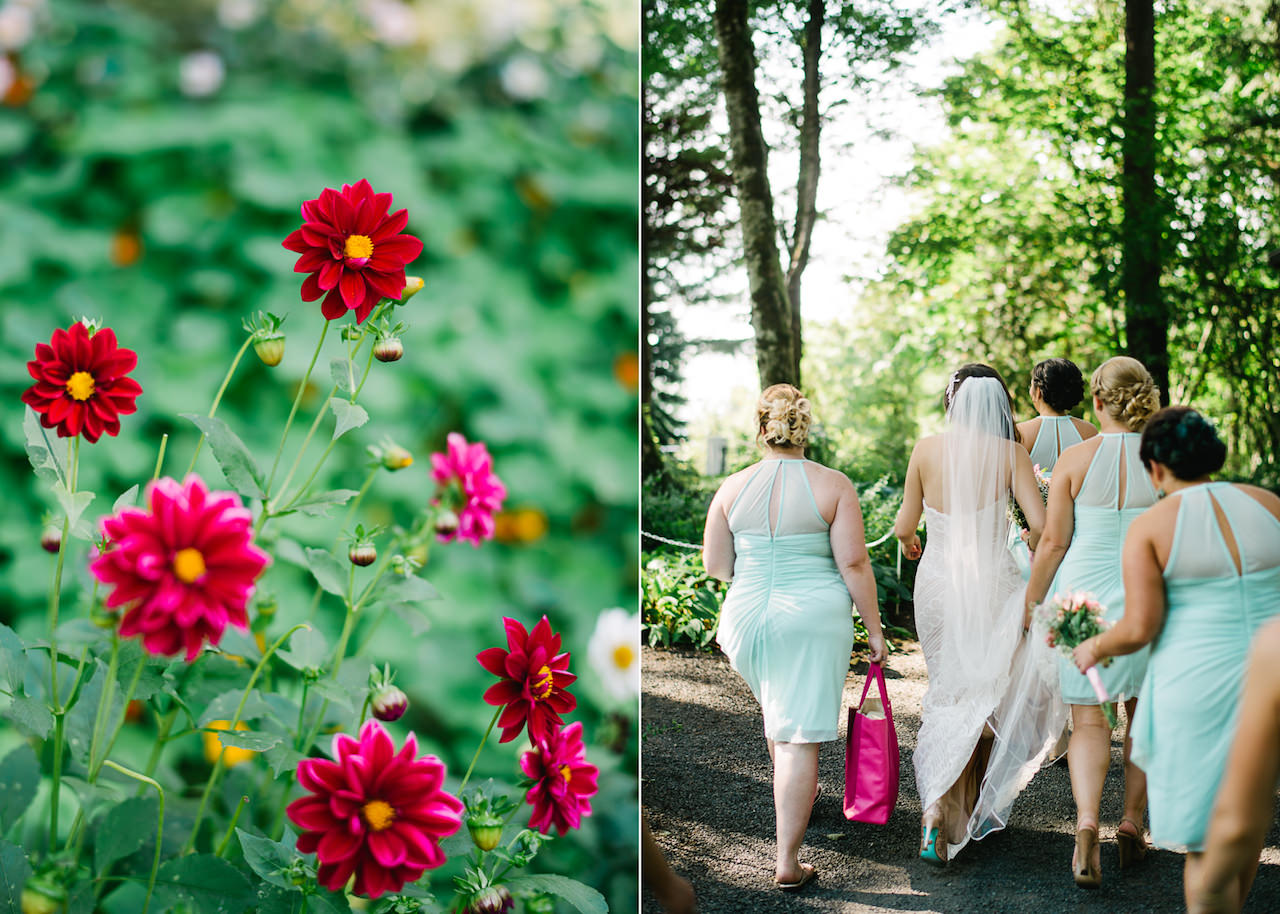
706 788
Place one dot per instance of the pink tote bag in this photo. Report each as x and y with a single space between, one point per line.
871 756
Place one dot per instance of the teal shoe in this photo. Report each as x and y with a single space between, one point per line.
929 835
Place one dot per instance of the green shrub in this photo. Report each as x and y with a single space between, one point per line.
676 510
680 604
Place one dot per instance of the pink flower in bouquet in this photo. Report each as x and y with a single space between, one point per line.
482 491
533 679
185 566
82 383
563 780
353 249
374 812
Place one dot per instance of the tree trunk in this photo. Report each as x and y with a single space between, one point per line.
1146 316
807 183
776 358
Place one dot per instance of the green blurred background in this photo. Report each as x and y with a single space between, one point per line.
152 157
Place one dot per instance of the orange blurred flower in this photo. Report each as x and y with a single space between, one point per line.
234 755
626 368
523 525
126 247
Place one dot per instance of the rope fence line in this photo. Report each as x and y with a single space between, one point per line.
683 545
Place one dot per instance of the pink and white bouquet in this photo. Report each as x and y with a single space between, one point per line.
1071 619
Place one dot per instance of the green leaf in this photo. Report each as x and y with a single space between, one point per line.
127 499
73 503
335 693
328 571
14 873
326 902
307 649
268 858
282 757
253 740
19 780
151 679
350 415
413 617
318 505
583 897
13 660
210 883
40 449
30 715
406 588
341 375
124 829
237 464
224 707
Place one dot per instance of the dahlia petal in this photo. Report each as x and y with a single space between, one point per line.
365 308
296 241
404 248
491 659
352 287
393 225
516 633
386 284
335 876
317 234
332 307
501 693
336 844
387 847
311 261
311 288
331 274
344 215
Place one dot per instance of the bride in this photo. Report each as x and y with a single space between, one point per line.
991 712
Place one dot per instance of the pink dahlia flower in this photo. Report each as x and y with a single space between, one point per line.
534 677
482 492
82 383
374 812
185 566
353 249
563 781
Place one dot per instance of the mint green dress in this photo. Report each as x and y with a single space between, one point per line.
1189 710
1054 435
787 620
1092 563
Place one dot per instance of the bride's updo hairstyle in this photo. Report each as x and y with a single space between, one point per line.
1060 383
1184 441
782 417
1127 391
978 370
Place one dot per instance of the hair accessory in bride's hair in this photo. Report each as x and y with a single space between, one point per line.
951 387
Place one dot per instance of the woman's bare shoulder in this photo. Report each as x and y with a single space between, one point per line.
1028 430
1087 430
1264 497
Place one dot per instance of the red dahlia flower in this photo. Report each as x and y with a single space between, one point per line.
185 568
374 812
482 491
81 383
533 676
563 781
353 250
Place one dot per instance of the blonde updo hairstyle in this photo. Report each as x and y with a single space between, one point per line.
782 416
1127 391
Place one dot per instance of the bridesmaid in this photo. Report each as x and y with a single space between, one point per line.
1099 489
1202 572
1057 386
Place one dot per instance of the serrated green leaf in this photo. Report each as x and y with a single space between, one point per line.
335 693
224 707
13 660
268 859
307 650
581 896
124 829
253 740
341 373
349 415
19 780
14 873
406 588
210 883
282 757
413 617
128 499
31 716
238 466
327 571
40 449
73 503
318 505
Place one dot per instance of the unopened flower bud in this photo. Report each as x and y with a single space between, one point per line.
388 349
446 523
51 538
40 897
493 899
395 457
363 553
486 830
102 617
389 703
412 286
270 348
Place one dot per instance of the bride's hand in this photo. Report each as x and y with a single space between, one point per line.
911 548
878 650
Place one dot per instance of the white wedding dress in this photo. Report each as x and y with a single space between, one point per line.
992 712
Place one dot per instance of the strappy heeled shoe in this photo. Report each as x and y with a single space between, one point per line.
1086 873
1132 847
930 835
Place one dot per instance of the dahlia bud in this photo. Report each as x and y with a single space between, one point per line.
389 703
51 538
412 286
486 830
493 899
102 617
446 523
270 348
362 553
394 457
388 349
40 897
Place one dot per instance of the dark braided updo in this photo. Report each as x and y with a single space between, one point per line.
1060 382
1184 441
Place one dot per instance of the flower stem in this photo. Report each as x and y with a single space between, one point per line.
297 400
217 765
218 398
104 703
55 595
475 758
302 713
155 863
164 443
231 827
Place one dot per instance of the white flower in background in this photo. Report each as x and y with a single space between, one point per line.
7 74
394 23
16 24
201 73
524 78
237 14
614 653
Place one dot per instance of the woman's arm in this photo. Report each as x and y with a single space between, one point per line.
717 539
908 519
1143 599
849 547
1027 493
1059 527
1245 805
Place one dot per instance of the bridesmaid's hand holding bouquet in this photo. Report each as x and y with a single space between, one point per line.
1070 620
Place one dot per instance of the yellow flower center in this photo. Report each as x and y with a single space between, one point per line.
80 385
623 656
542 683
379 814
565 773
188 565
359 247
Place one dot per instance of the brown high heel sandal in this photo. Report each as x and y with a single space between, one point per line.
1132 847
1085 872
